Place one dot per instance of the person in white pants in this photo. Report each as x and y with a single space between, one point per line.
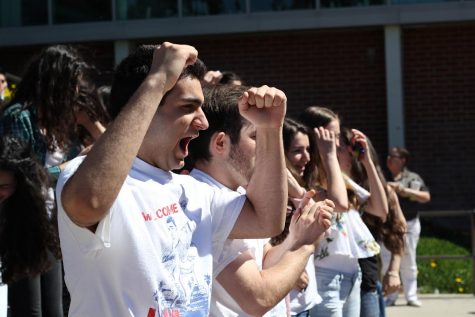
412 192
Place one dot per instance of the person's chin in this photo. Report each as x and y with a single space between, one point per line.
178 163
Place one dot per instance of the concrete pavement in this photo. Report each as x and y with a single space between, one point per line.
442 305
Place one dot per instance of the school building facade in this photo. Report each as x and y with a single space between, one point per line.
401 71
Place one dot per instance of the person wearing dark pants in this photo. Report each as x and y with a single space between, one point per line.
39 295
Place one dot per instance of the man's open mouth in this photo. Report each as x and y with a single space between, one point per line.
184 144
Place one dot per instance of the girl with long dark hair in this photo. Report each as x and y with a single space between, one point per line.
29 244
308 155
336 262
56 111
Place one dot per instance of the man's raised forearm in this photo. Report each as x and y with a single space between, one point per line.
267 189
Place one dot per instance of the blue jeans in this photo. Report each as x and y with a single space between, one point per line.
382 305
369 304
340 293
372 302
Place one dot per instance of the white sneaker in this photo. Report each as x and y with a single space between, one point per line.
414 303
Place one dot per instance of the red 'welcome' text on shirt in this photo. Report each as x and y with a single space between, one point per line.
160 212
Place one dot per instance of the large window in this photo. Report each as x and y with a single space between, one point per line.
213 7
146 9
36 12
74 11
281 5
24 12
417 1
350 3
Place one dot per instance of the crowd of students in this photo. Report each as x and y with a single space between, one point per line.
192 195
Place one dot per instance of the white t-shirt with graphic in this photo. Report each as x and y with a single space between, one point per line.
222 304
152 254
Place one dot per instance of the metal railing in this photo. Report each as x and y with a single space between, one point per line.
454 213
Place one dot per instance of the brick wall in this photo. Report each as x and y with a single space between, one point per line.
439 76
341 69
344 69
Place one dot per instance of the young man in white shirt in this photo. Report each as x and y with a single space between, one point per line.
252 278
137 239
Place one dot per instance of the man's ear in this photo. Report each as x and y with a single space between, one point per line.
219 144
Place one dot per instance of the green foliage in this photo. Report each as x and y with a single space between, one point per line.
446 276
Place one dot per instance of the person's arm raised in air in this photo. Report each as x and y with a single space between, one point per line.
336 189
258 291
90 192
377 203
263 214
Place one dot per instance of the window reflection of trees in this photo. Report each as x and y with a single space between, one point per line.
74 11
349 3
213 7
146 9
281 5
